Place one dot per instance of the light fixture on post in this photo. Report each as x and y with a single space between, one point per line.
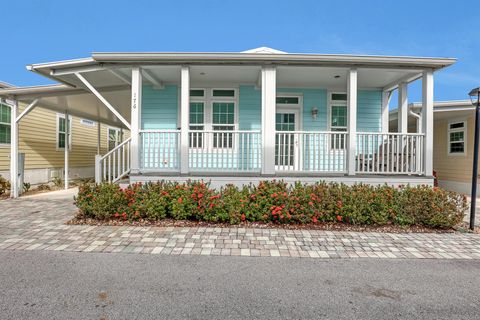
314 113
475 98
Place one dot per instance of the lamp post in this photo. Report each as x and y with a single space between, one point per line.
475 98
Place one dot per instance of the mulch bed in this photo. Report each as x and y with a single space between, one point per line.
327 226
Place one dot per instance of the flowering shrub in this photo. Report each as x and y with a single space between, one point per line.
274 201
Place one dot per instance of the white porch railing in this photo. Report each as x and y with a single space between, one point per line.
159 150
311 151
114 165
392 153
225 151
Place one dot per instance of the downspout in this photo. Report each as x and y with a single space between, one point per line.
419 119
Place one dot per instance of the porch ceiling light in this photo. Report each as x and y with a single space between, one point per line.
475 98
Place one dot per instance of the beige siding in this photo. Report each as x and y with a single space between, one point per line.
452 167
37 139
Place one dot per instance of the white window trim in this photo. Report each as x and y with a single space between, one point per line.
5 103
464 129
330 104
119 133
57 131
208 99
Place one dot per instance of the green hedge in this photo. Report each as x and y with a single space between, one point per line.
274 201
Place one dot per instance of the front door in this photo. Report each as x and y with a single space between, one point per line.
286 141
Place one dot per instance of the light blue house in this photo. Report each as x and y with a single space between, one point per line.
243 117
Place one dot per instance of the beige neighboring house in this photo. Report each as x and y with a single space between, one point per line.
454 123
42 141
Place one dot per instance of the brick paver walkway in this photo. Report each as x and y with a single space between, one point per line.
38 224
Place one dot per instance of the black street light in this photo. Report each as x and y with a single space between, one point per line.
475 98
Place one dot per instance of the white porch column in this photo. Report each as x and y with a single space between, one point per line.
352 120
14 151
66 150
136 121
427 120
184 113
403 107
269 97
99 128
385 112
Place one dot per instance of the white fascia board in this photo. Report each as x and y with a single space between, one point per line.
359 60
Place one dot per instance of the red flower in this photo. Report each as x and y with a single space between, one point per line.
310 203
339 218
180 200
314 219
243 217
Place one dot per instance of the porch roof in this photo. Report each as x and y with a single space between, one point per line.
77 101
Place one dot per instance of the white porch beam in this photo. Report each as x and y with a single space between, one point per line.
386 96
269 95
14 151
67 149
184 113
136 114
27 109
427 120
103 100
403 108
352 119
67 71
157 83
408 78
120 75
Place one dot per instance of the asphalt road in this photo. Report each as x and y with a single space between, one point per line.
61 285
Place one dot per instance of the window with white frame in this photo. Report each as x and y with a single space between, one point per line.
114 138
212 109
62 130
5 116
338 118
196 117
457 131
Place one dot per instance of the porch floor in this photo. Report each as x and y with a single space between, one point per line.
219 180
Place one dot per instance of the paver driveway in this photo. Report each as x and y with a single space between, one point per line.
38 223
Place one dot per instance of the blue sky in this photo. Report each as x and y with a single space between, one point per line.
42 31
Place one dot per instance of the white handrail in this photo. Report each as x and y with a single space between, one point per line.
117 147
114 165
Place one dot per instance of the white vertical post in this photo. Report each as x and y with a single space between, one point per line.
98 136
98 168
14 151
67 147
136 114
427 120
269 97
184 114
403 107
385 112
352 119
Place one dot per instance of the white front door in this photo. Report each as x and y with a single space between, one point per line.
287 146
